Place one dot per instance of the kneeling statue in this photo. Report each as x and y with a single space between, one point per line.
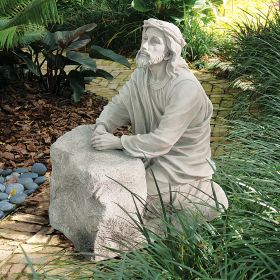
170 114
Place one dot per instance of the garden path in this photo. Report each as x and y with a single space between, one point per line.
29 227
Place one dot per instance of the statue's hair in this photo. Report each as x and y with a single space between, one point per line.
174 41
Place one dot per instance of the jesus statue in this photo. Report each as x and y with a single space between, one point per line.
170 114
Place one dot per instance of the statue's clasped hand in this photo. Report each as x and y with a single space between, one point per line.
103 140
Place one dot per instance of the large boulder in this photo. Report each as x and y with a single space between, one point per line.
87 195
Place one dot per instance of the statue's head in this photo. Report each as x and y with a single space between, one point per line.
161 41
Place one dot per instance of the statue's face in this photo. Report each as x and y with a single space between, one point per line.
153 48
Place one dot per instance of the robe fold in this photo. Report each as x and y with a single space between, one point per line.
170 123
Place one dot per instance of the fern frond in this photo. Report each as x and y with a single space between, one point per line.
8 37
38 12
20 18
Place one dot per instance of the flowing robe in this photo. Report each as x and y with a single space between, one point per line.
170 123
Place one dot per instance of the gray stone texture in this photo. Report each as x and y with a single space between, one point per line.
85 204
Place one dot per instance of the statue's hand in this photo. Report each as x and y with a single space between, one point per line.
99 129
106 141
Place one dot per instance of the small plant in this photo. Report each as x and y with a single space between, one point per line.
61 49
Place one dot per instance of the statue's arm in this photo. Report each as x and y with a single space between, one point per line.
184 104
115 113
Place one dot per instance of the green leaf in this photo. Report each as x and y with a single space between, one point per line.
65 38
98 52
77 84
139 5
98 73
30 64
78 44
82 59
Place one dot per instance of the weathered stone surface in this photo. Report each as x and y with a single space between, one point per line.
85 203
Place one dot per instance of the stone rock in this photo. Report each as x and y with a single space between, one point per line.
6 206
19 188
3 196
25 181
6 172
1 214
2 180
21 170
2 187
86 196
40 180
39 168
28 192
29 175
18 198
31 186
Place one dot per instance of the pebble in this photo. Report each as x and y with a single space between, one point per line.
1 214
15 174
31 186
39 168
3 196
6 206
16 186
2 180
6 172
40 180
28 192
24 181
21 170
18 198
29 175
9 177
2 187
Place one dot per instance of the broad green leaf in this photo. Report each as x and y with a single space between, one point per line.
77 84
30 64
98 73
98 52
140 5
65 38
78 44
82 59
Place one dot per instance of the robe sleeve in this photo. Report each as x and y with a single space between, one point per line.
184 103
115 113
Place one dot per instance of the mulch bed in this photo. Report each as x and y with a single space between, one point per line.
31 120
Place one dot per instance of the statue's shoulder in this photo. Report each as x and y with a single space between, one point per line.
186 77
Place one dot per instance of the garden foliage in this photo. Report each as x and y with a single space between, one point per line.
46 55
24 21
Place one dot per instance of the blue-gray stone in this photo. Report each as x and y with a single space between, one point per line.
18 198
40 180
3 196
2 187
9 177
15 174
29 175
28 192
31 186
39 168
21 170
25 181
6 172
16 186
6 206
2 180
1 214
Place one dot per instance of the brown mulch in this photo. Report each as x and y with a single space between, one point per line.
31 120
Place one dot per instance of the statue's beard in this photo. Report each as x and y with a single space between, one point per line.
144 60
